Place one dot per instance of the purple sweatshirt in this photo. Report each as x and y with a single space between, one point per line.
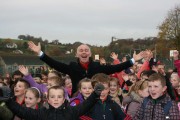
42 87
32 82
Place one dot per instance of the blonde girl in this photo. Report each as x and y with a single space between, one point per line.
115 91
32 98
135 96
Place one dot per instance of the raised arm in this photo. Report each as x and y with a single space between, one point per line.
22 112
27 76
61 67
139 56
110 69
114 56
35 48
87 104
145 65
119 75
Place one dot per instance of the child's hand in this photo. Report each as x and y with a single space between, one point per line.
114 56
149 55
124 59
24 70
125 77
98 88
139 56
102 61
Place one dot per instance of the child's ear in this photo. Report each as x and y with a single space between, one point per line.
76 55
64 100
39 100
79 90
164 88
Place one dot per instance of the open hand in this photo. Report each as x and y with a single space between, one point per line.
24 70
35 48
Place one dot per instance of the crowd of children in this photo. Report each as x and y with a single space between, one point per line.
142 91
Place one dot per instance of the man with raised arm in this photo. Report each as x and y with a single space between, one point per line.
85 66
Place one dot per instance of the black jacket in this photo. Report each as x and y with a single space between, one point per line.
77 72
62 113
107 110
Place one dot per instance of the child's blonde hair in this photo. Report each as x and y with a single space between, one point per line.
35 91
58 81
139 85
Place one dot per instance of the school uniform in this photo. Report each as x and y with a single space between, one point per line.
63 112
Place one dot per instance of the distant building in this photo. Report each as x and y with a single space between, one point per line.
18 52
11 63
11 45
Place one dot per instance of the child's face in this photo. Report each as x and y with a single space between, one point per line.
50 83
174 80
86 89
56 98
44 77
144 93
19 89
132 79
161 68
68 83
105 92
113 87
6 81
156 89
31 100
139 65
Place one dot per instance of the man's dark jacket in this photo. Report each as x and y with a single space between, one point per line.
77 72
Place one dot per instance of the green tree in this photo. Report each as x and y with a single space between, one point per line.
170 27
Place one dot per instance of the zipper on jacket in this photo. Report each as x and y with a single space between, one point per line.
104 116
153 111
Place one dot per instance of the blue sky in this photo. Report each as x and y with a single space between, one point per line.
88 21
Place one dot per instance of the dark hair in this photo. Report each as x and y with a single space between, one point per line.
26 84
45 73
17 72
148 72
1 92
152 62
